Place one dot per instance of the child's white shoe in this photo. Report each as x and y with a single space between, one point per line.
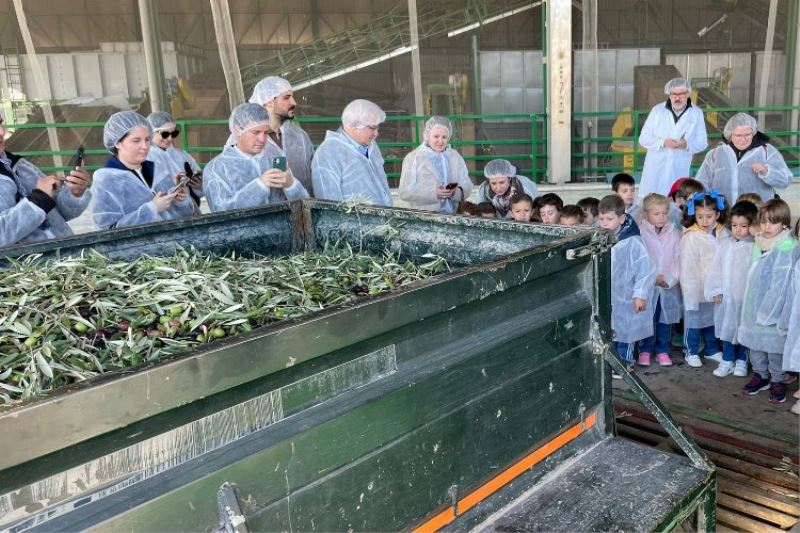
796 408
694 361
715 357
725 368
740 368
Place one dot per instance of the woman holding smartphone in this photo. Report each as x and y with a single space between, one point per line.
165 134
130 189
434 176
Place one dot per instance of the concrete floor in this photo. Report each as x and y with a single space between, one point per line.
699 390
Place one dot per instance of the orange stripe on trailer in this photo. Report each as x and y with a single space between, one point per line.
506 476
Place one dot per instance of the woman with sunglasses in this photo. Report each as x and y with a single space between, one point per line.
130 189
165 134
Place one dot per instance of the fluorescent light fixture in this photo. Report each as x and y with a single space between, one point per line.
495 18
351 68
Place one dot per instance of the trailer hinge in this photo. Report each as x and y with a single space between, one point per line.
231 518
600 243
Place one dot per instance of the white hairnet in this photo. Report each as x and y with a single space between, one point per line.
119 124
677 83
437 122
245 117
159 119
362 113
499 168
739 119
269 89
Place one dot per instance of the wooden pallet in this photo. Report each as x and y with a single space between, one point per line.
757 475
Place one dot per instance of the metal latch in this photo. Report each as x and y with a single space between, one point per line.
600 243
231 519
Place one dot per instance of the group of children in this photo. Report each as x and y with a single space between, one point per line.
730 274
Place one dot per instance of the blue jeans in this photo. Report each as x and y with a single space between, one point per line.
659 342
625 350
691 341
733 352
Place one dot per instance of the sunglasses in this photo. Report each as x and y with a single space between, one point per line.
174 133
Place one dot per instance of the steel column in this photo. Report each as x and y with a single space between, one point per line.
223 29
151 40
416 70
559 93
767 63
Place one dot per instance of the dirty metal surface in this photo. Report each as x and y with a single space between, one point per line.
617 485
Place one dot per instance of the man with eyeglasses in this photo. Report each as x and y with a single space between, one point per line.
285 138
33 206
673 132
745 163
348 165
164 152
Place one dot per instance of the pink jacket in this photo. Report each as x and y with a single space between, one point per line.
664 249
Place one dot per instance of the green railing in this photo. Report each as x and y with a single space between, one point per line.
520 138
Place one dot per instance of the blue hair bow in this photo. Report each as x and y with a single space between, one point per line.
700 196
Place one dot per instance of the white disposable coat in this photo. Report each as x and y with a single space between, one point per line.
298 151
662 166
790 323
664 249
232 181
721 171
422 174
697 254
728 277
633 275
768 282
20 221
122 199
339 172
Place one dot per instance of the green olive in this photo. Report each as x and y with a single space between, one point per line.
175 310
217 333
30 342
80 327
164 319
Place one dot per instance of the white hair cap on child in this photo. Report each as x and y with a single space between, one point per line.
677 83
437 122
739 119
362 113
269 89
159 119
119 124
499 168
245 117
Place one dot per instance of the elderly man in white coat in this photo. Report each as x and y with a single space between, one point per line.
673 132
348 164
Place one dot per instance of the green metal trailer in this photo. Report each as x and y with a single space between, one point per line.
476 399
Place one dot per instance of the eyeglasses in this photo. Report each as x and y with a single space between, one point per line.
679 94
174 133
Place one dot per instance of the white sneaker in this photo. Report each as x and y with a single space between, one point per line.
715 357
796 408
740 369
694 361
725 368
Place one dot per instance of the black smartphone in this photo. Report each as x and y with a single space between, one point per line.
187 169
77 159
451 186
279 162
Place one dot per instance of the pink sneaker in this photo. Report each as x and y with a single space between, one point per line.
663 359
644 359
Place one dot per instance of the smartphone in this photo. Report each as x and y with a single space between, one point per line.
77 159
279 162
451 186
187 169
181 182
